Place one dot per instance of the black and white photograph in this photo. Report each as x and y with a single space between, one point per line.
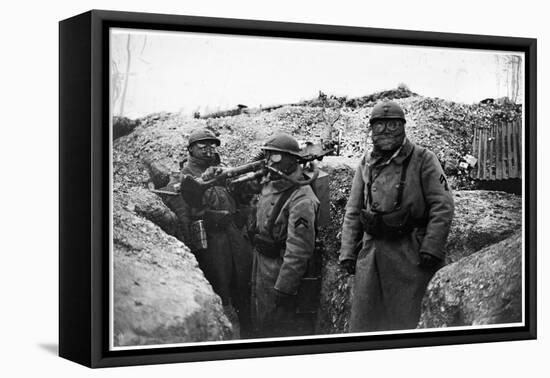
268 188
272 189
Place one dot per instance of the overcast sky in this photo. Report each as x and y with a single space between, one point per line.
187 72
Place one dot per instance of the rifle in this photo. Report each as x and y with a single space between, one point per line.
197 186
192 188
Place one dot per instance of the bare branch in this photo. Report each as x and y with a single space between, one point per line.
127 75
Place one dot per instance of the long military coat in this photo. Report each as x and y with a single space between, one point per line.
294 227
227 262
389 282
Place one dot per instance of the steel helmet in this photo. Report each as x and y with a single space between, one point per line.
283 143
387 109
202 134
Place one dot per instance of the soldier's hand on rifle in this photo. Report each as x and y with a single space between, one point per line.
428 261
211 172
348 265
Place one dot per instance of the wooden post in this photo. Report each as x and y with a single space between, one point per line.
505 171
498 151
512 149
489 152
474 152
494 154
503 156
509 150
515 148
485 150
481 149
480 154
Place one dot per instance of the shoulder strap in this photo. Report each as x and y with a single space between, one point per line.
277 209
402 180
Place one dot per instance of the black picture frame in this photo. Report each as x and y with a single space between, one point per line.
84 190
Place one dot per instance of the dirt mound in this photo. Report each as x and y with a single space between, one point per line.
481 218
160 294
444 127
337 102
484 288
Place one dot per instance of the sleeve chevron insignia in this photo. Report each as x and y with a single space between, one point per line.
301 222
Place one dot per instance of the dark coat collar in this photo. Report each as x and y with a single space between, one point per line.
194 167
400 155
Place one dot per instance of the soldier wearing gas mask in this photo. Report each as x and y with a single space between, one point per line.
396 224
208 227
284 242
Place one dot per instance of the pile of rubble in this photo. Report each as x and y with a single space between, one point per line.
444 127
338 102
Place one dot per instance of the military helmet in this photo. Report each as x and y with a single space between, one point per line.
202 134
282 143
387 109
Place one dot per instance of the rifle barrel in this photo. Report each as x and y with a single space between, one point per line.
245 168
237 171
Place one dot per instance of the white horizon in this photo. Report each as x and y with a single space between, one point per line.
183 72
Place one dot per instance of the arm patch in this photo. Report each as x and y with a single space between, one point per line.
301 222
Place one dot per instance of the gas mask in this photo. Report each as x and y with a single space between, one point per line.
205 153
281 161
387 134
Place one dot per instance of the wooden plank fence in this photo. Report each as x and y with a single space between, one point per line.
498 151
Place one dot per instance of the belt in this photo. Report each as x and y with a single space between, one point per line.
268 247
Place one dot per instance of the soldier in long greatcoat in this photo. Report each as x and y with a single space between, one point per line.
396 224
284 244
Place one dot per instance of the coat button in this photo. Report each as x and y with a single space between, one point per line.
374 189
375 204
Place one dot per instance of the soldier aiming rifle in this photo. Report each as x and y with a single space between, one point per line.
209 225
286 258
286 265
